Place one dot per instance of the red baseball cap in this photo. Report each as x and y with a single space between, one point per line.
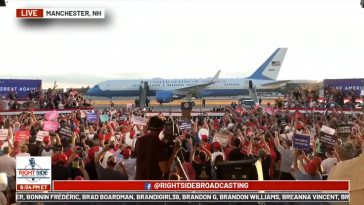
299 126
126 153
62 158
91 153
311 168
317 160
217 145
216 121
204 137
123 130
46 139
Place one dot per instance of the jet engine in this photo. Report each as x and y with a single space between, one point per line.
164 96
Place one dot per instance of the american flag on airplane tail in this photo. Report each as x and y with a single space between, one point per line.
276 63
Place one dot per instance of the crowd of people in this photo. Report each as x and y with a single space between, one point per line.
120 149
308 97
46 99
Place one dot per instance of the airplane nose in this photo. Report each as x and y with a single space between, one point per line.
89 92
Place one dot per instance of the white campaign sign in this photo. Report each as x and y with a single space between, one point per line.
327 130
4 134
41 135
139 121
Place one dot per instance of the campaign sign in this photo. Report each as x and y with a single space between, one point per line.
3 134
33 173
139 120
65 131
22 134
269 110
50 126
124 117
327 139
92 117
41 135
104 118
301 142
51 115
344 129
222 139
327 130
297 114
184 124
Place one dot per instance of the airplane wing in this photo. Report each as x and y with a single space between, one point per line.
276 83
197 88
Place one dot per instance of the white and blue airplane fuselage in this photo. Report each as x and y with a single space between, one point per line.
167 90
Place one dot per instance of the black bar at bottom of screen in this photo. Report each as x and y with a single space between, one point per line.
180 196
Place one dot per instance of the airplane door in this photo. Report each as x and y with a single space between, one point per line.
246 84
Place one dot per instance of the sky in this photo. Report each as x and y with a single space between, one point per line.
183 39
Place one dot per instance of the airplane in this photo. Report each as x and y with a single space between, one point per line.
168 90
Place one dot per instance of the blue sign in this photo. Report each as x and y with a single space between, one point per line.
22 87
345 84
301 142
92 117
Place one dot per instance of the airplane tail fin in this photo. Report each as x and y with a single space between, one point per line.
269 70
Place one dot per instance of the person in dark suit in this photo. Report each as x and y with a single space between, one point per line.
203 102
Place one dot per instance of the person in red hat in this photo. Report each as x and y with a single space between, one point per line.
90 166
311 169
204 142
129 163
47 150
16 148
59 169
217 150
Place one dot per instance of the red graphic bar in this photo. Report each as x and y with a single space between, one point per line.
201 186
29 13
33 187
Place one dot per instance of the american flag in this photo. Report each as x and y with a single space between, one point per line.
276 63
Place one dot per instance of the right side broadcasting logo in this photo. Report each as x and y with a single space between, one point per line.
148 186
33 173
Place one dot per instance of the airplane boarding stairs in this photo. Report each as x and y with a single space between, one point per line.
253 95
143 94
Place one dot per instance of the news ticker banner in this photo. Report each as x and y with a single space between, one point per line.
199 186
61 13
175 197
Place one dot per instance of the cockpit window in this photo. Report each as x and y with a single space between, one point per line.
96 86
